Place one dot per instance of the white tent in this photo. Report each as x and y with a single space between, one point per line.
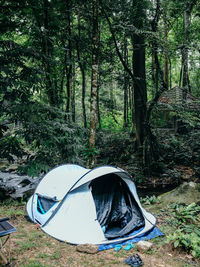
98 206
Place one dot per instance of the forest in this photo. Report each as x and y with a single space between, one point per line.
95 82
100 82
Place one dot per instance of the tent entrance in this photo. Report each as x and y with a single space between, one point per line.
117 211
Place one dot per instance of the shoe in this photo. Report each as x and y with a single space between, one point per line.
134 261
129 246
117 247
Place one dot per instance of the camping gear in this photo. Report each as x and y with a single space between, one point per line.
118 247
97 206
129 246
6 229
153 233
134 261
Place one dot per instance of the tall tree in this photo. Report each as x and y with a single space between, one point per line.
68 55
94 82
42 20
188 6
184 67
140 92
137 73
126 85
154 44
82 67
165 43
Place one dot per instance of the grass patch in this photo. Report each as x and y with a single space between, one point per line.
56 255
71 260
12 209
26 245
34 264
42 256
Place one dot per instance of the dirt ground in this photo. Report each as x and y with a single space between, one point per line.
30 247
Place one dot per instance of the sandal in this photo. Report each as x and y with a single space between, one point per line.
117 248
129 246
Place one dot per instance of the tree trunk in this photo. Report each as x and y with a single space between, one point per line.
185 71
111 96
165 44
126 84
189 5
73 94
154 25
94 84
170 73
140 93
47 56
98 107
82 69
68 55
46 48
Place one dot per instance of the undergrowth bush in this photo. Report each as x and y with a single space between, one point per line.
114 147
180 149
44 135
11 147
149 200
189 242
187 235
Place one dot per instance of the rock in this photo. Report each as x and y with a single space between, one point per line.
143 246
87 248
12 168
17 186
186 193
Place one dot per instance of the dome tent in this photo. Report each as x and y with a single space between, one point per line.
97 206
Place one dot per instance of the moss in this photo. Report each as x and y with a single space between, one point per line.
185 193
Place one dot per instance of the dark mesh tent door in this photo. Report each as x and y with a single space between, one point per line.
117 211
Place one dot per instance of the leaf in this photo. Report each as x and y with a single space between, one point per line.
196 231
176 243
185 243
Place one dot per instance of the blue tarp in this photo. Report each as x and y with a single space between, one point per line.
155 232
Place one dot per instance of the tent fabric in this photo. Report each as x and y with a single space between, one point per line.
74 223
98 206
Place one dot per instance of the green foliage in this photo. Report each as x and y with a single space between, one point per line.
114 147
184 149
187 235
35 166
149 200
45 135
38 49
10 146
189 242
89 152
139 177
188 119
112 122
185 214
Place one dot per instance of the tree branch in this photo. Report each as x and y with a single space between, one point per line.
116 46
